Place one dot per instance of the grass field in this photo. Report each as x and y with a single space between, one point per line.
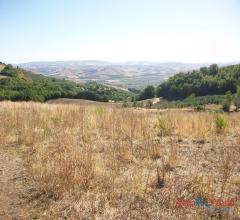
102 162
82 102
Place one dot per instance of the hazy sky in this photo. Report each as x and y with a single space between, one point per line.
120 30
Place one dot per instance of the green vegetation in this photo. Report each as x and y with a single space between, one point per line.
147 93
100 110
237 99
17 84
206 81
226 105
192 101
199 108
149 104
164 126
209 85
220 123
196 89
125 104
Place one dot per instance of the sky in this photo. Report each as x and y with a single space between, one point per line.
120 30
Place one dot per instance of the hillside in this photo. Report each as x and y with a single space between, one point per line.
122 74
206 81
18 84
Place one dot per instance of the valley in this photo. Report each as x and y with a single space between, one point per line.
125 75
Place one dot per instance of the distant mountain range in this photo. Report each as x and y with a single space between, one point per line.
120 74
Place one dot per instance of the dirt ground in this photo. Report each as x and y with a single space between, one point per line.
18 197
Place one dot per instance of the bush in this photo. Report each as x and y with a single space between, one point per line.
125 104
226 106
227 102
237 99
199 108
140 104
163 126
149 104
134 104
100 110
220 124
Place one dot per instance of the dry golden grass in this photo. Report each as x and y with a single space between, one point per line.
99 162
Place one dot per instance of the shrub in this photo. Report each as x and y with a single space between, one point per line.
149 104
125 104
199 108
134 103
237 99
226 106
227 102
220 123
100 110
163 126
140 104
237 103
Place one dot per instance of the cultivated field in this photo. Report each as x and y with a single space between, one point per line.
102 162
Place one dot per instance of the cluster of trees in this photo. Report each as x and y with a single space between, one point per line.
206 81
199 87
147 93
17 84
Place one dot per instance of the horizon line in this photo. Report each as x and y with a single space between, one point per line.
129 61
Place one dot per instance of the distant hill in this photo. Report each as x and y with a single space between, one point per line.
120 74
18 84
206 81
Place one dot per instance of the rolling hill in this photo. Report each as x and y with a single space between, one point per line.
125 74
18 84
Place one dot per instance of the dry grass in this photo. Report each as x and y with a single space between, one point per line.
99 162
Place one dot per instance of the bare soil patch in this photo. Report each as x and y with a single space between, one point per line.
19 199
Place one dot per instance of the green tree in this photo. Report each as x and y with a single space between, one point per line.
147 93
204 70
213 69
9 71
